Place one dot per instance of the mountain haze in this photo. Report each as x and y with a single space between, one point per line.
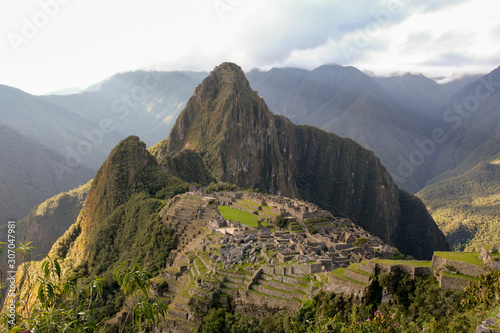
471 122
51 126
30 173
50 220
136 103
51 144
349 103
419 93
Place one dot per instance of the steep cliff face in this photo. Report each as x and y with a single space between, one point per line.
242 142
230 126
120 210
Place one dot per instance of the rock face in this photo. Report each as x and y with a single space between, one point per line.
241 142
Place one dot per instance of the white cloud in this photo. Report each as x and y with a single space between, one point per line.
86 41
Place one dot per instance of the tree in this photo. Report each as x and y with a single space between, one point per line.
484 291
280 221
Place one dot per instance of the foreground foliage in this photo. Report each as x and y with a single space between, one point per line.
415 306
61 305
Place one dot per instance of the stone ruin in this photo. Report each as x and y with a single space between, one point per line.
491 256
221 262
333 245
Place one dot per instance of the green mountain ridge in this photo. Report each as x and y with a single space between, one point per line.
242 142
466 207
122 202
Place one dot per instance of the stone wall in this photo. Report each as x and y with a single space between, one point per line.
290 280
306 269
357 276
268 302
234 275
173 287
254 278
494 265
202 293
271 292
461 267
448 282
407 269
369 268
344 287
422 271
268 270
281 286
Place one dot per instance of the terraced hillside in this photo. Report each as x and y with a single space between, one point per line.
238 266
244 266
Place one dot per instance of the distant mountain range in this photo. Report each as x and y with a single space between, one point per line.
400 118
390 116
29 173
226 133
51 144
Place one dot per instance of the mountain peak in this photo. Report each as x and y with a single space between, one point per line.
229 72
119 176
241 142
225 79
223 102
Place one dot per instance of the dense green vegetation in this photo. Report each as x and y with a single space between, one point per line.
466 207
142 237
220 187
280 221
415 306
120 222
188 166
63 304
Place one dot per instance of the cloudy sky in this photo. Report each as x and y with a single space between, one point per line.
48 45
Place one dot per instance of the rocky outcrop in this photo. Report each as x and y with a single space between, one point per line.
242 142
490 325
491 257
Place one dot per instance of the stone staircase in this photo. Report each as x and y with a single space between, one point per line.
179 318
283 291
